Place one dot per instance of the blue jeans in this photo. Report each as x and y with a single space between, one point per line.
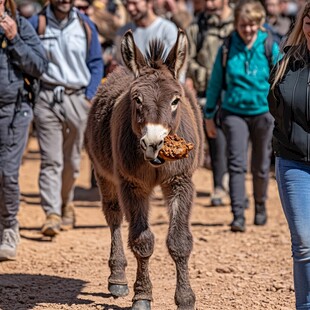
14 126
293 180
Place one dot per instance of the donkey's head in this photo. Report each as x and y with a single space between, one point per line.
156 95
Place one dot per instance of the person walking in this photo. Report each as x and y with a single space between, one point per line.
21 52
75 70
289 104
205 37
146 26
244 108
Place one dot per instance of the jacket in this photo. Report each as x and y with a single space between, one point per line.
71 63
247 74
23 54
205 37
289 103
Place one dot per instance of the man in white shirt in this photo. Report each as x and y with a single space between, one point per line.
146 26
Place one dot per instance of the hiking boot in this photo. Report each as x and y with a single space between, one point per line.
217 197
238 224
8 243
260 214
68 216
52 225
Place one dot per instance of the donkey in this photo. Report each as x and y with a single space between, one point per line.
132 113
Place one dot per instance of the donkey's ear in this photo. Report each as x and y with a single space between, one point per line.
176 59
131 54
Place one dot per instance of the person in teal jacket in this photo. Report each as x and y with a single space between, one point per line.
244 108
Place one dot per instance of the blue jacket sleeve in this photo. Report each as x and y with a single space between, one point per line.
215 87
94 61
34 21
26 50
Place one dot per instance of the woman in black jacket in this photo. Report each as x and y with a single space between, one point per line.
20 52
289 103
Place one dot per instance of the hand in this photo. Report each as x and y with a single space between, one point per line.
89 102
211 128
9 26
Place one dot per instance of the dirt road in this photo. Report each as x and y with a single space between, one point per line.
228 271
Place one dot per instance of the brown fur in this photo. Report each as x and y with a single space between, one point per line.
126 179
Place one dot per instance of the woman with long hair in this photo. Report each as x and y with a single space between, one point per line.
289 102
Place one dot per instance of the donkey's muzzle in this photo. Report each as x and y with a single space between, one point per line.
158 161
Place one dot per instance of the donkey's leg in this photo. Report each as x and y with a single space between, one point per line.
117 283
179 194
140 240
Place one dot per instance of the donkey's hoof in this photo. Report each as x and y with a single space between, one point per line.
141 305
118 290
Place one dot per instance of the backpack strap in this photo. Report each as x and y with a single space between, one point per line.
41 24
200 35
268 48
87 30
225 50
42 21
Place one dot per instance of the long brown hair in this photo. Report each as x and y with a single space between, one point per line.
297 43
11 7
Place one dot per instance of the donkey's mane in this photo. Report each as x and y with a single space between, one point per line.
155 53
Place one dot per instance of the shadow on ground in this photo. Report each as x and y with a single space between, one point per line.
24 291
86 194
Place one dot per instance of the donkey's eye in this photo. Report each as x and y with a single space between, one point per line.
138 100
175 101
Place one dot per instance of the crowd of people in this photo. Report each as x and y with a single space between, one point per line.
248 65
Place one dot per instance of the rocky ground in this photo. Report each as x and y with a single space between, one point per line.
228 270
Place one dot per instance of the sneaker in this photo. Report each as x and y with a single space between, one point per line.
8 243
238 224
52 225
217 197
68 216
260 218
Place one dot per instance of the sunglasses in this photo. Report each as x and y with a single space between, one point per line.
82 7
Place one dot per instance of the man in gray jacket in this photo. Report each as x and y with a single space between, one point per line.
74 72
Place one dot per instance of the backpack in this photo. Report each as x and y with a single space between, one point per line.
226 47
203 30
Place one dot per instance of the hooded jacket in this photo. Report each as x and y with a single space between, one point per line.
289 103
247 74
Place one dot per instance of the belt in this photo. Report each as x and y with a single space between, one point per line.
66 90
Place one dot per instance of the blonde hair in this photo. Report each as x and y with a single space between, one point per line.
297 43
251 10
